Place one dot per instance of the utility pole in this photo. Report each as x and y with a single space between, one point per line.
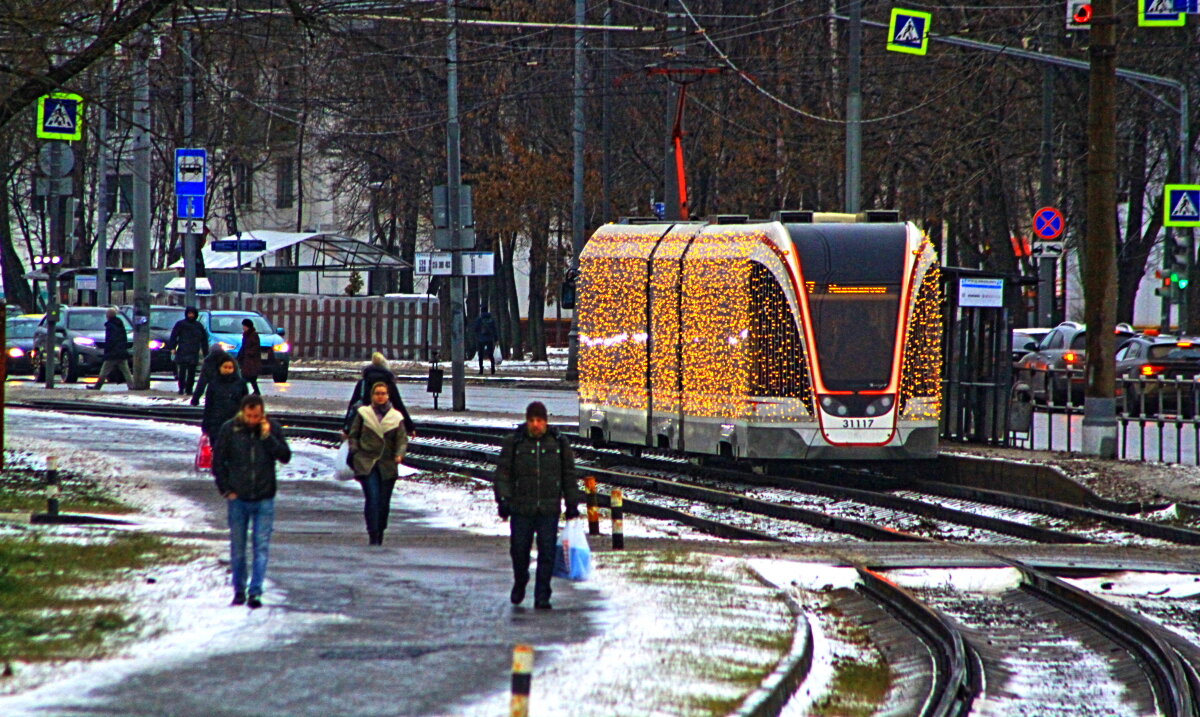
189 108
102 211
578 210
854 110
605 120
458 377
141 215
1047 266
675 37
1099 256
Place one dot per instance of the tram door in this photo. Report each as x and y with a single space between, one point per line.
978 373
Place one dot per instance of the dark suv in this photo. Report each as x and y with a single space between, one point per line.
80 342
1054 372
1157 374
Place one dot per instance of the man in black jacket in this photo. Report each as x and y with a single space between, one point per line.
485 339
116 350
244 457
188 340
535 475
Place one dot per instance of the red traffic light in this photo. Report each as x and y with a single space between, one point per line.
1083 13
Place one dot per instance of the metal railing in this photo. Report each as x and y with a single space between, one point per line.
1158 416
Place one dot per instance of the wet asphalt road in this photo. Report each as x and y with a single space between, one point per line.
418 627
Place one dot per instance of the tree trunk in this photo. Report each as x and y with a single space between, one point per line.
408 244
514 308
539 246
16 287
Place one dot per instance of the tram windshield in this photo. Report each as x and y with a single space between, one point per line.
853 275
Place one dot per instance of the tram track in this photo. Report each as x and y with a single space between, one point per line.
1168 663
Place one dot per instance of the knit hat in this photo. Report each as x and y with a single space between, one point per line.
537 409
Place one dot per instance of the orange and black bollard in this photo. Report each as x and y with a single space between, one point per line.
522 680
52 485
593 503
618 518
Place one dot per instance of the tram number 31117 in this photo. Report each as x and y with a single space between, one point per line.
857 422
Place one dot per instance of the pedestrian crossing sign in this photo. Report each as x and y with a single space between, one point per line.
909 31
60 116
1181 203
1159 13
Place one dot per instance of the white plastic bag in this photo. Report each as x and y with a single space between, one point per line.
572 556
342 469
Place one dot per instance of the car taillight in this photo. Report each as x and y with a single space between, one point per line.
1071 357
1184 344
1149 370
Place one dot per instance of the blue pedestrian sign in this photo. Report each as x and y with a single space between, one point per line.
909 31
1188 6
1048 223
191 172
189 207
60 116
1159 13
1182 205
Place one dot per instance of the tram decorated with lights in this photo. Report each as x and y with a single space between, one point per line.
808 337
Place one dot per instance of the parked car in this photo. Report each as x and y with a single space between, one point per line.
80 342
1158 373
1054 372
162 320
1026 340
18 342
225 328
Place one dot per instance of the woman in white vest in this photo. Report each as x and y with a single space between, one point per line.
377 445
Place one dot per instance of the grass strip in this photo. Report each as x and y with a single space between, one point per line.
52 605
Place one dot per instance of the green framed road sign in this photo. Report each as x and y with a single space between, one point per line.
1159 13
60 116
909 31
1181 205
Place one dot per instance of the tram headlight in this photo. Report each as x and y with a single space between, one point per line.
834 406
880 406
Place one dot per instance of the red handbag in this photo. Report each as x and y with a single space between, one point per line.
204 454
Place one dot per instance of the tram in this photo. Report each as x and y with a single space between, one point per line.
811 336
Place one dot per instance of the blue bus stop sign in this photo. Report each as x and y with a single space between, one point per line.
191 172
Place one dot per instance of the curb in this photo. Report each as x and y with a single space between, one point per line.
778 687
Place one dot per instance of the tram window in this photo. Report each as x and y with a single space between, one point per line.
855 330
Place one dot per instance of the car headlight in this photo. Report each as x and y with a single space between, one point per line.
83 341
281 346
226 346
155 344
15 352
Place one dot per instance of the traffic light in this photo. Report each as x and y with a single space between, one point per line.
1179 263
1166 290
1079 15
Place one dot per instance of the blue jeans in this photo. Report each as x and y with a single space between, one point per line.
241 514
523 528
377 500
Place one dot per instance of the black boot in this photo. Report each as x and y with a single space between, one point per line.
518 594
374 537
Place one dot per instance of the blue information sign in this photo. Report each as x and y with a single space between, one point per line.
191 172
244 245
189 206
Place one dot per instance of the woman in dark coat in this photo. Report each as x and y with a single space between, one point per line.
250 355
377 445
375 372
222 397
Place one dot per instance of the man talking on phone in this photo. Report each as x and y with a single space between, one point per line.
244 457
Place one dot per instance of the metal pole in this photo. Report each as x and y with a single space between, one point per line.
675 20
57 204
141 218
189 102
458 376
854 110
1100 265
578 210
605 121
1047 266
102 211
